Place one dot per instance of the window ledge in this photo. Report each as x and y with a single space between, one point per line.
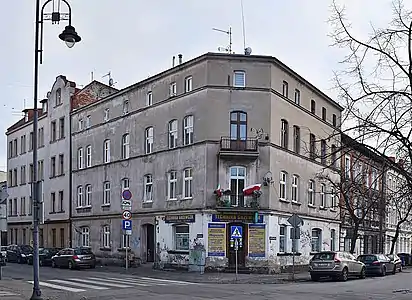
284 200
333 210
311 206
171 199
147 201
124 249
322 208
105 205
288 254
296 203
105 249
81 207
187 198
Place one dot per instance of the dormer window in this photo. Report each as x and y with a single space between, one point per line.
58 96
44 106
26 116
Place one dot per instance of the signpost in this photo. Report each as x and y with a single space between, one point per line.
236 235
126 220
296 222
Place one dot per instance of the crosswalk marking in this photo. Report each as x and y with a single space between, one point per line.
122 281
81 285
4 294
59 287
101 283
167 280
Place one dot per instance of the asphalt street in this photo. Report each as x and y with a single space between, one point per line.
94 284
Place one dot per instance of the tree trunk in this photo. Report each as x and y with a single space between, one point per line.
395 238
354 238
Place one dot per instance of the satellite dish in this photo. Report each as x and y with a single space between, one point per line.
248 51
111 82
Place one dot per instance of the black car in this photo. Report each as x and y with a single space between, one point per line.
18 253
377 264
45 256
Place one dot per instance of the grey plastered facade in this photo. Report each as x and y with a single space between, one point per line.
211 101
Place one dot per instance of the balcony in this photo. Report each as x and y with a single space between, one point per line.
237 201
247 148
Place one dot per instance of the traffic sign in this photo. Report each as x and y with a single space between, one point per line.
236 232
127 224
127 195
126 204
295 220
128 232
127 215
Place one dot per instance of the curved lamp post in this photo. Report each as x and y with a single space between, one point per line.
70 37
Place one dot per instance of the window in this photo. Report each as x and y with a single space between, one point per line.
334 122
332 240
311 192
62 239
172 89
282 238
285 89
172 134
53 166
23 144
61 202
295 242
188 84
15 176
40 168
238 126
61 164
80 159
333 156
282 185
188 183
88 121
106 115
239 79
88 156
53 202
125 241
237 184
313 106
149 140
125 184
316 240
375 180
58 96
106 151
23 206
295 188
80 124
10 208
322 195
15 207
347 167
61 128
149 99
148 188
30 206
106 237
23 174
171 192
312 146
181 237
125 146
79 196
323 113
297 97
106 193
88 195
40 141
31 175
188 130
85 237
323 151
125 107
284 134
53 133
333 199
296 139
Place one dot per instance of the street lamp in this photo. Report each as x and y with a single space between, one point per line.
70 37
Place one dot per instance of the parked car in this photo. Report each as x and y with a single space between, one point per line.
397 261
406 259
3 251
337 265
45 256
377 264
18 253
74 258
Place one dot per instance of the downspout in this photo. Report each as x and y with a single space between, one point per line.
70 180
382 210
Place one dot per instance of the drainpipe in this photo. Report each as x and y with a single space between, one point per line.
70 182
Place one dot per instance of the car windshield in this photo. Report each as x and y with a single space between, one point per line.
26 248
83 251
324 256
43 251
367 258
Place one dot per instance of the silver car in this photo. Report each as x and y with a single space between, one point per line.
338 265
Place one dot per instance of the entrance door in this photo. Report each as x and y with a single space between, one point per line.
242 246
150 242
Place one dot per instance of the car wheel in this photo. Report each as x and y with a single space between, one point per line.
362 273
344 275
71 266
383 271
314 277
54 264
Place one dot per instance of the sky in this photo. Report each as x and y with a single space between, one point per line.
135 39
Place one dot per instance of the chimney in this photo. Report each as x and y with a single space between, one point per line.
173 61
180 59
26 116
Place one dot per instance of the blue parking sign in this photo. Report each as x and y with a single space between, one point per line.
126 224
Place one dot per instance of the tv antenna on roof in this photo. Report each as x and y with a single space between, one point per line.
229 33
111 81
248 50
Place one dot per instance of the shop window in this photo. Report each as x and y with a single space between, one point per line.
181 233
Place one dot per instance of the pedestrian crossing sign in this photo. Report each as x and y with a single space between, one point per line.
236 232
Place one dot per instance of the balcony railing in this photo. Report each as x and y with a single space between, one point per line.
241 201
246 145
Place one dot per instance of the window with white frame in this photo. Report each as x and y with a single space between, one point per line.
237 184
172 134
106 115
322 195
85 236
188 130
295 188
239 79
282 238
88 121
125 146
311 192
316 240
88 201
149 99
125 107
188 183
172 185
148 188
106 193
284 134
80 124
106 237
282 185
149 140
79 196
125 241
125 184
88 156
333 199
181 232
106 151
173 89
80 158
188 84
347 167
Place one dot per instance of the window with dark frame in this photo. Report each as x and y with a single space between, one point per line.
334 122
285 89
313 106
238 125
312 146
323 151
284 134
296 139
323 113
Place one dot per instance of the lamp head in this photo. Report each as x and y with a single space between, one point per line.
70 36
